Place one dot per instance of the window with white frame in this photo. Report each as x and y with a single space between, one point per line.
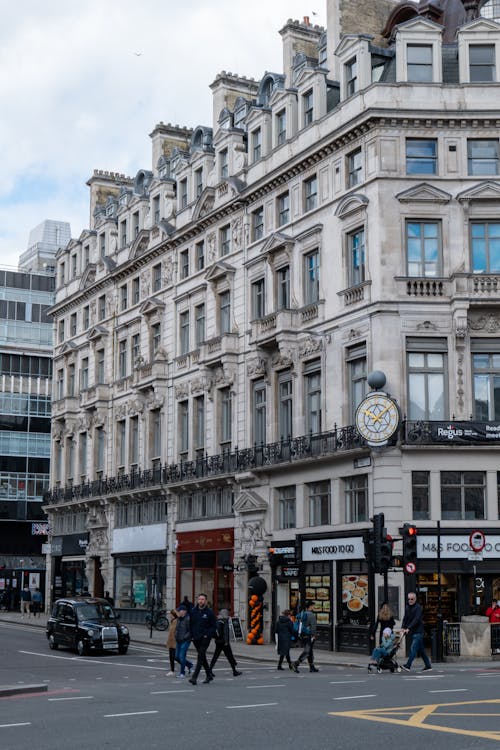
482 156
183 411
463 495
122 358
183 193
198 182
225 312
156 277
121 427
357 374
100 373
423 248
491 9
311 277
225 240
123 233
419 63
155 434
199 424
427 394
184 263
60 331
482 68
283 288
83 442
356 257
283 205
354 168
318 495
134 441
84 374
280 122
256 141
184 332
485 355
135 348
356 498
156 209
286 507
101 307
226 416
123 297
199 324
308 107
485 246
312 393
200 255
310 193
285 405
136 291
135 224
420 495
60 384
155 337
259 394
86 317
100 443
421 156
258 299
223 163
258 223
72 324
71 380
351 77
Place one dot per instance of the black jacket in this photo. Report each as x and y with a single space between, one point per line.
203 623
183 629
284 631
222 631
413 619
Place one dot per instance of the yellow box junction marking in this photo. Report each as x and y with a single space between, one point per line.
417 716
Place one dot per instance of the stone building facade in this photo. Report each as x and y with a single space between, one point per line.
223 311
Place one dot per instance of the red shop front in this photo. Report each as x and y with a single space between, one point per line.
205 566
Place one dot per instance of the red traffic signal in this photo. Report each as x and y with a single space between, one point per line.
411 530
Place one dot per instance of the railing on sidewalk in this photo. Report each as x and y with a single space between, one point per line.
451 638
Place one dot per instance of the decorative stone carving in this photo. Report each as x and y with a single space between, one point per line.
120 412
144 283
83 423
135 407
182 390
201 384
311 345
256 367
168 272
111 303
99 419
211 247
285 358
237 233
58 430
98 543
489 322
156 401
161 354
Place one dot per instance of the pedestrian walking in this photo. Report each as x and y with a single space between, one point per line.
222 643
413 624
171 642
307 635
385 619
37 602
109 598
25 601
203 629
284 634
493 612
182 640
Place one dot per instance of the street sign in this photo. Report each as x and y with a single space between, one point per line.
410 567
477 541
475 556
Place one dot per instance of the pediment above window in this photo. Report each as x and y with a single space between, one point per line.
424 193
350 42
218 270
67 348
478 26
205 203
88 276
350 204
250 502
485 191
140 244
152 305
420 26
96 333
275 242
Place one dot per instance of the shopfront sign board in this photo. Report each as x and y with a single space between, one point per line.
455 546
348 548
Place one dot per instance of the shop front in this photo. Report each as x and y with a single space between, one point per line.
465 584
334 574
68 564
284 578
204 564
140 569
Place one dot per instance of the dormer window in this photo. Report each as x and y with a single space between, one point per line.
102 245
183 193
223 164
419 63
351 77
281 127
256 144
156 209
308 104
482 63
198 181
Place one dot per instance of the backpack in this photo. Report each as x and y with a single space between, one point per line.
300 628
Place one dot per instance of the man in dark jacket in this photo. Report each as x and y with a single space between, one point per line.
307 637
413 624
203 629
183 639
222 643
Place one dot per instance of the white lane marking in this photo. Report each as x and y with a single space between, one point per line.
74 698
88 660
254 687
346 682
350 697
451 690
7 726
169 692
132 713
254 705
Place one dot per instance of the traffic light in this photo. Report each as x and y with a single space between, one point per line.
382 544
386 553
368 542
409 534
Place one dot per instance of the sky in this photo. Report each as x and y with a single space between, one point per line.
82 84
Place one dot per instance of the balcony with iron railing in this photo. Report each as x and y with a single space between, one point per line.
223 465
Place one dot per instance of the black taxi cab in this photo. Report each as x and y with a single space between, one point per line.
86 624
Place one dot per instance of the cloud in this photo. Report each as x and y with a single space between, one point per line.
76 97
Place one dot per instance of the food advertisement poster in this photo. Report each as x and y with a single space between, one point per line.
354 595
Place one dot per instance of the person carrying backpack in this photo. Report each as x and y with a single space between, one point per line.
306 629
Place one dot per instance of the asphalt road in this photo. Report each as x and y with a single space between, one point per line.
128 702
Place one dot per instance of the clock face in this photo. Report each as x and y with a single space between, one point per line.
377 418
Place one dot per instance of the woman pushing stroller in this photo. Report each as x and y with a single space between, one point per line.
385 649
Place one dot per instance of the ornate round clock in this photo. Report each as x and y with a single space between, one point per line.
377 418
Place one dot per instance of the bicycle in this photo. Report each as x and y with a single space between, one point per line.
159 619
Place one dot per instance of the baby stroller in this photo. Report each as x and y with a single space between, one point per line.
389 661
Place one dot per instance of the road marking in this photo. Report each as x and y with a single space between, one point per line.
255 687
88 660
451 690
416 716
132 713
350 697
74 698
254 705
346 682
169 692
7 726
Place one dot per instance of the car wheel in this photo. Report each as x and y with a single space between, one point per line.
81 648
123 650
52 642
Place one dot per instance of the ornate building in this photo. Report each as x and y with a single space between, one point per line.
217 323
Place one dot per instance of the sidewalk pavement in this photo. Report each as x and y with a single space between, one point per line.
265 653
